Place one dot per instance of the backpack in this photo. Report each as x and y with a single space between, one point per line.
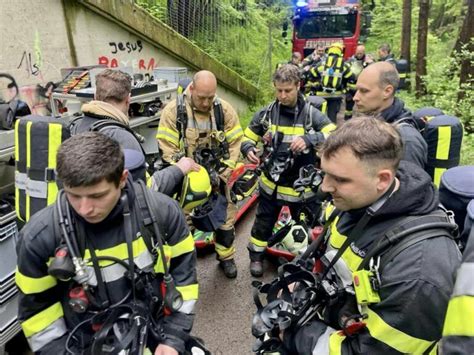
456 191
331 77
37 139
443 135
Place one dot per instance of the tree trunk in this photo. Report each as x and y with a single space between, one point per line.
466 38
422 47
406 32
464 28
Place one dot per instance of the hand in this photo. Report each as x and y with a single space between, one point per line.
163 349
186 165
298 145
252 156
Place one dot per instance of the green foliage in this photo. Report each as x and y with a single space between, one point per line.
442 69
241 40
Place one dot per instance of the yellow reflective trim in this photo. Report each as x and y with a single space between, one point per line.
17 158
437 175
336 240
149 181
444 140
183 247
42 320
324 107
28 164
29 285
289 131
249 134
189 292
393 337
234 133
55 131
335 343
230 163
170 131
159 264
460 317
257 242
328 129
119 251
224 252
284 190
17 151
402 75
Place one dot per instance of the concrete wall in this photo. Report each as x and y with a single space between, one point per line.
40 37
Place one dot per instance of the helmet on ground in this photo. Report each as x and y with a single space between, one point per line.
336 48
195 190
211 215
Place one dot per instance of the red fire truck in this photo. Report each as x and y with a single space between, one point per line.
318 23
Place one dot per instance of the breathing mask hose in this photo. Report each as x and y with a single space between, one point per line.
129 239
67 229
173 299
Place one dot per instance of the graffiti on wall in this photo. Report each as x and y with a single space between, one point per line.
36 96
126 46
141 64
32 62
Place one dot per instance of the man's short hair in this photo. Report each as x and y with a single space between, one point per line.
389 76
385 47
370 139
287 73
88 158
112 86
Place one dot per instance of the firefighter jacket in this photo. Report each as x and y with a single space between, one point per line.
415 147
283 124
201 131
415 285
44 313
458 332
333 77
100 110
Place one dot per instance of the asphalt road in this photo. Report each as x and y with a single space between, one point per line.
225 307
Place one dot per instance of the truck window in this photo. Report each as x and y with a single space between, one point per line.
325 26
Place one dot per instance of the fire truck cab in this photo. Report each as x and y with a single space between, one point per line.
318 23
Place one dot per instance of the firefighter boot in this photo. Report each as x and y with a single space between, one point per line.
225 252
256 268
229 268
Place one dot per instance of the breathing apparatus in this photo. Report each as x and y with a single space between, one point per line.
124 324
298 294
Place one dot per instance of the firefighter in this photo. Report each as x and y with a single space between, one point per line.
111 102
210 122
360 60
375 95
292 129
98 222
385 55
332 79
402 308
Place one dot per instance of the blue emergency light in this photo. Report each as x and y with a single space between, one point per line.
301 3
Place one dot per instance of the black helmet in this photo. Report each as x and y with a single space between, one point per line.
211 215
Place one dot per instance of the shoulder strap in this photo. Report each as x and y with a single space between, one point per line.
219 114
182 116
408 231
146 229
100 125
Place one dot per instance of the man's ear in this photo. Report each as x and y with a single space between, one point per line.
385 178
123 179
388 92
